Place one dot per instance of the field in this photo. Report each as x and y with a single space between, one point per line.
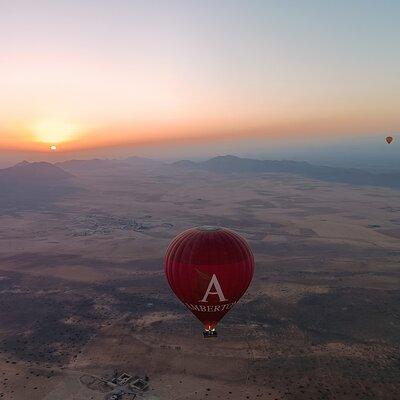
82 288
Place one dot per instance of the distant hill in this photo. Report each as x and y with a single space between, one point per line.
233 164
33 186
96 164
34 173
141 161
90 165
187 164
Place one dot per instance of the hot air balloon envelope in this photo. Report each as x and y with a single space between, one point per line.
209 269
389 139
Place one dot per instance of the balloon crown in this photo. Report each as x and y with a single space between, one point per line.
209 228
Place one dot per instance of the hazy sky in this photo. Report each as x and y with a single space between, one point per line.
89 74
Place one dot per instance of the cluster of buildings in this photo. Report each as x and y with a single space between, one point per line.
127 387
104 224
93 224
120 387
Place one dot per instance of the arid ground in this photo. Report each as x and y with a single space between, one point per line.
82 288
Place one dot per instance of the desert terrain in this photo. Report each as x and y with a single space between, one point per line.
83 293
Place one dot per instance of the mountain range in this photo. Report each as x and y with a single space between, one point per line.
234 164
35 185
43 174
35 172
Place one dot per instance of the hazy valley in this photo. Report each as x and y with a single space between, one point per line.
82 287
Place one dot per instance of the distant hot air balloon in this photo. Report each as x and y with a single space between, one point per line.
209 269
389 139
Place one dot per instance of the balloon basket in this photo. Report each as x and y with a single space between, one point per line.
210 333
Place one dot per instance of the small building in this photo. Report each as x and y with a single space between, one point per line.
128 396
123 379
121 394
139 384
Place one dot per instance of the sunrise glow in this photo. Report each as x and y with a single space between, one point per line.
188 71
53 131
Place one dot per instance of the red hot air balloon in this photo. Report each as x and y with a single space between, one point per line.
209 269
389 139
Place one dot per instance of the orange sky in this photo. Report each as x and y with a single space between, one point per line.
85 77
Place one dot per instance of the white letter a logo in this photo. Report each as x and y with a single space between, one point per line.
214 282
